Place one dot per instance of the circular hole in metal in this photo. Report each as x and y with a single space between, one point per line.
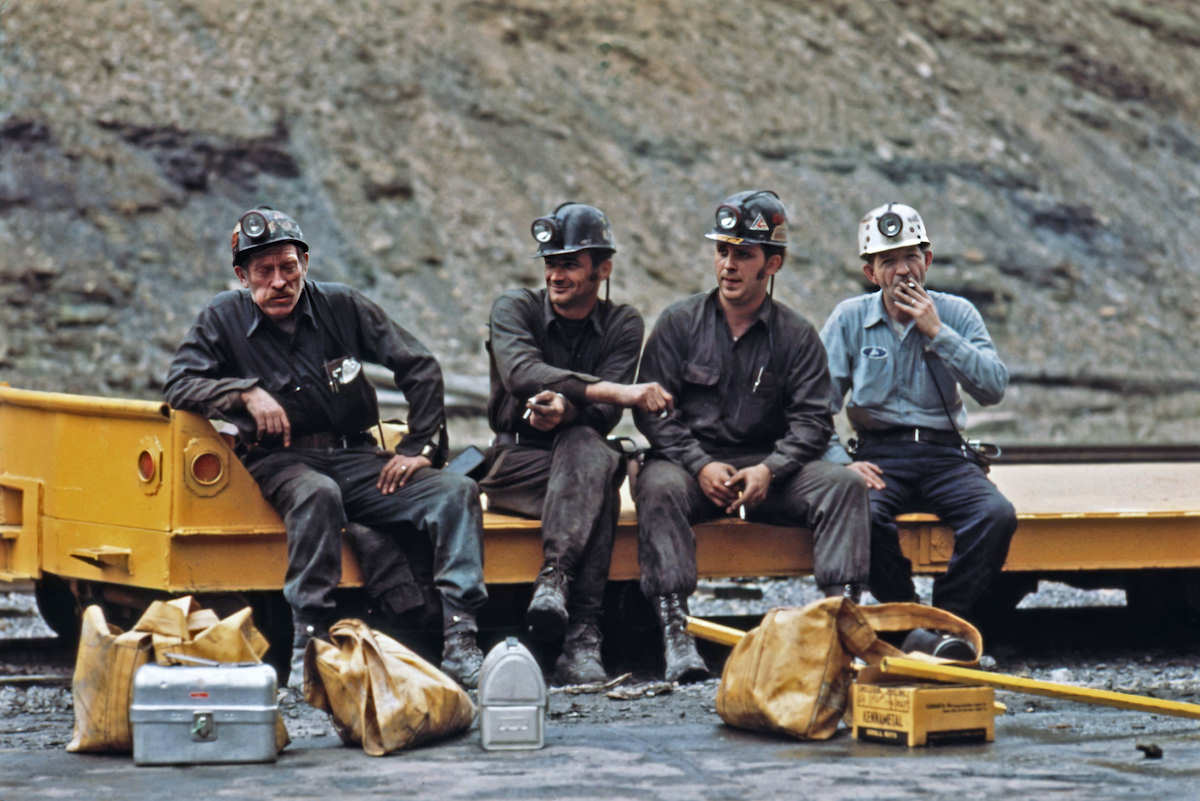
147 466
207 468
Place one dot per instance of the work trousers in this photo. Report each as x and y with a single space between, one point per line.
924 477
317 490
826 498
574 487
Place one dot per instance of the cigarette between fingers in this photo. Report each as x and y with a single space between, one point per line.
742 511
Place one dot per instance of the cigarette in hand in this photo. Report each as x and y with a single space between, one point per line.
742 511
528 414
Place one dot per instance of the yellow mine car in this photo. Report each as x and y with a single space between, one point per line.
116 501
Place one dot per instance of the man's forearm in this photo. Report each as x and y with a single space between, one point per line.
606 392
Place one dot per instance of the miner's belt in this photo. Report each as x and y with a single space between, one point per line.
327 440
524 440
935 436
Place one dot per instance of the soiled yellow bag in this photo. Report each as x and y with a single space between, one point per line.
382 695
102 686
791 674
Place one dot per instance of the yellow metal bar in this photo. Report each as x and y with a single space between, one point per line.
83 404
707 630
924 670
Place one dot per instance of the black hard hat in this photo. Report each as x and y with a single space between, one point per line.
572 227
262 227
753 217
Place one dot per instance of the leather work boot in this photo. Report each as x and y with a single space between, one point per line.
461 658
939 643
546 616
301 634
579 662
683 662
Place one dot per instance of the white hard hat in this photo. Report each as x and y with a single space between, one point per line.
892 225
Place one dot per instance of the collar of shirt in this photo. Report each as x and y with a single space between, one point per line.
763 315
549 315
303 311
876 312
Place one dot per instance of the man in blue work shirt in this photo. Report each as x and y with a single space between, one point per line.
902 353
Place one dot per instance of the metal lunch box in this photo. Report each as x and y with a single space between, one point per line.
512 699
216 713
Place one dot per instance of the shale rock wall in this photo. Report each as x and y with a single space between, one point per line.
1053 148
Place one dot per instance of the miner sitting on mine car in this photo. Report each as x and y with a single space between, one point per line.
750 424
562 361
902 353
282 359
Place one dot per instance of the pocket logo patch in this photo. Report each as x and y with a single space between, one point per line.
874 352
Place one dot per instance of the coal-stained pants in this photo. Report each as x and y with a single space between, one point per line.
924 477
574 488
826 498
316 491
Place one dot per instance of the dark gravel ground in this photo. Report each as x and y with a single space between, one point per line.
1059 634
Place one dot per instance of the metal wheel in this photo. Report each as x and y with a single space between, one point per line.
59 607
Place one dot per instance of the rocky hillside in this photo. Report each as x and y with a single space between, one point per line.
1053 148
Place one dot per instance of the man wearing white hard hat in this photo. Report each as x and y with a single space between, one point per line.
903 353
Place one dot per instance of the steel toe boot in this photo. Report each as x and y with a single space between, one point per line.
579 662
461 658
546 616
683 662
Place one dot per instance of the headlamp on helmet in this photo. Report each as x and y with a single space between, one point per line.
254 225
890 224
543 230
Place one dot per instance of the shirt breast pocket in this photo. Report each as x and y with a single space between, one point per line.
874 375
756 407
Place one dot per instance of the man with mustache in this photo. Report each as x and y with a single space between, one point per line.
903 353
750 425
282 359
562 363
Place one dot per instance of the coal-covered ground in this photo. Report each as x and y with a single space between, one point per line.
1059 634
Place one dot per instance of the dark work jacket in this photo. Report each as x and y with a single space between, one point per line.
529 352
767 393
233 346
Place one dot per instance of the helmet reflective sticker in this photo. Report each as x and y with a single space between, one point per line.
759 224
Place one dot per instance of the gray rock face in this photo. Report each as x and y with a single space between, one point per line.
1052 148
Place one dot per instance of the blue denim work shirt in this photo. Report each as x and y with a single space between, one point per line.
886 374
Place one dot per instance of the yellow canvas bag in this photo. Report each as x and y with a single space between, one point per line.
102 686
792 673
380 693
